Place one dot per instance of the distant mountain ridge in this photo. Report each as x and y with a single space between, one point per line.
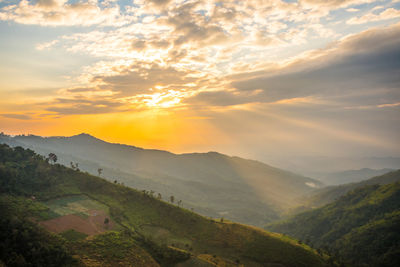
351 176
213 184
99 223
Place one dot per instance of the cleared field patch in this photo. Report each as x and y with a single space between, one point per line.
79 205
78 213
92 225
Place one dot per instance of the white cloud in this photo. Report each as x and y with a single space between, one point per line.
389 13
61 13
352 10
47 45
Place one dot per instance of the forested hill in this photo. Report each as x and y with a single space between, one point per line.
329 194
213 184
362 228
99 223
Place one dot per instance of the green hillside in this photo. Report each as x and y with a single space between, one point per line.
327 195
213 184
361 228
135 228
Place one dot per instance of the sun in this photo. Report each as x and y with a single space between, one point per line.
166 99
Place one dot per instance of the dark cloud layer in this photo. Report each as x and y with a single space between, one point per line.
139 79
364 69
67 106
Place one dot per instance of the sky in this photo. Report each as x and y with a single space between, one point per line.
256 78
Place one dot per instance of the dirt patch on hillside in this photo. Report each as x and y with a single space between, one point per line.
92 225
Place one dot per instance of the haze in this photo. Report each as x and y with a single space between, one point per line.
269 80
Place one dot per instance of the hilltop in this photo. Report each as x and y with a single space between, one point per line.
99 223
213 184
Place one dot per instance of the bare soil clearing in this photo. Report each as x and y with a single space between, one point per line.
92 225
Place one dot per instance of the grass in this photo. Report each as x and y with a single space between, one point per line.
135 210
77 204
73 236
112 249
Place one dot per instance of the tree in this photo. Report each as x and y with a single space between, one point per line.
52 157
159 196
106 221
74 166
172 199
99 171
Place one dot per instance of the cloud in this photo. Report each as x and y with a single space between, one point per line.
360 69
16 116
389 13
63 13
352 10
268 76
390 105
46 45
174 50
218 98
142 77
72 106
160 2
334 3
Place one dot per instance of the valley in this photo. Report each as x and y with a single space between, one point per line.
211 184
153 230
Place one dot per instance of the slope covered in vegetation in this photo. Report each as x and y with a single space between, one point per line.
213 184
361 228
23 243
329 194
150 232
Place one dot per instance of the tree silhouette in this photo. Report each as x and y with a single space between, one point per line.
74 166
99 171
159 196
172 199
52 157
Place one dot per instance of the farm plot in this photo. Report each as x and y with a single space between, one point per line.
79 213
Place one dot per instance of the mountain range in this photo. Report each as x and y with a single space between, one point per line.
57 216
212 184
350 176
